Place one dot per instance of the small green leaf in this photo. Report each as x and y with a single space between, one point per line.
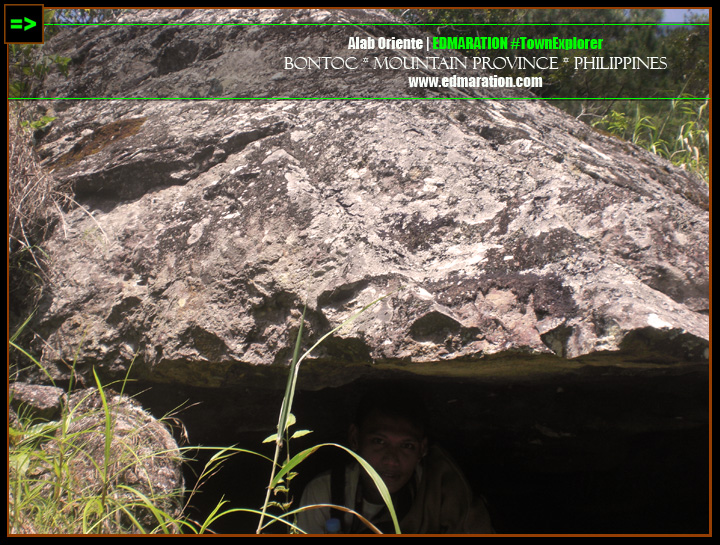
290 421
274 436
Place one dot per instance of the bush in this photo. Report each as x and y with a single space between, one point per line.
104 466
681 134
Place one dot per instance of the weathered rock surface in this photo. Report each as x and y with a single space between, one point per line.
40 402
564 271
496 227
245 56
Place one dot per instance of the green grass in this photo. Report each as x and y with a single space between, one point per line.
681 134
71 477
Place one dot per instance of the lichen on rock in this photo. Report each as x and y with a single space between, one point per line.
510 226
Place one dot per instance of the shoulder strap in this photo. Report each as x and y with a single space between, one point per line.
337 491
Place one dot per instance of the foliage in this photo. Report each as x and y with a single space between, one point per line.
282 438
36 203
51 467
38 124
33 201
29 65
86 16
33 195
28 68
620 39
47 497
681 134
691 44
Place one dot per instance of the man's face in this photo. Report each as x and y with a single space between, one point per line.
392 446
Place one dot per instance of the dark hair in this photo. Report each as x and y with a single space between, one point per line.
393 400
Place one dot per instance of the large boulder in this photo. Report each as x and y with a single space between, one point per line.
494 227
554 277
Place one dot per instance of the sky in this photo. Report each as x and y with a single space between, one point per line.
677 15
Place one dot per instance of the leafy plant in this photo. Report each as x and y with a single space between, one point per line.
282 437
46 495
38 123
681 134
29 65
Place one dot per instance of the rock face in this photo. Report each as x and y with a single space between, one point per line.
556 278
494 227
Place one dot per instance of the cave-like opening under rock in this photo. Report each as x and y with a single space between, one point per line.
605 450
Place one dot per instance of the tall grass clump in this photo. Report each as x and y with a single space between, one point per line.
33 200
97 469
104 466
80 475
37 203
100 465
680 134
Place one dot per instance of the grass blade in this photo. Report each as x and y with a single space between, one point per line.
377 479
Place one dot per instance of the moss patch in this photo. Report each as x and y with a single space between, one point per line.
99 140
